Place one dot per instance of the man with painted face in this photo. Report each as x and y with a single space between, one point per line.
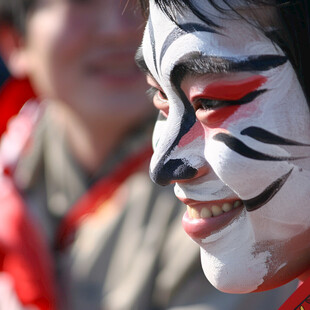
75 195
81 226
231 81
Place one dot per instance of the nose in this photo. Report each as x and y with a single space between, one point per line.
179 160
172 171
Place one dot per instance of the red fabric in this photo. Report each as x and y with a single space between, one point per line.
300 299
13 95
23 253
99 193
17 138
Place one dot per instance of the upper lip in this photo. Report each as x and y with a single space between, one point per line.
192 203
188 202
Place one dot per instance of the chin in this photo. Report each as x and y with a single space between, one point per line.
228 280
236 276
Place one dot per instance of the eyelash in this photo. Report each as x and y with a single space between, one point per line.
212 104
208 104
153 91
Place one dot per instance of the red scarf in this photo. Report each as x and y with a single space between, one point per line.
98 194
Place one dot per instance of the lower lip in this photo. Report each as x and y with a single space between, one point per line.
202 228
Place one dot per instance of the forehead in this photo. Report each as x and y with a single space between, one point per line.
166 43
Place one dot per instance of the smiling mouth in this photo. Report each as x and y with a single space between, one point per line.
204 218
212 210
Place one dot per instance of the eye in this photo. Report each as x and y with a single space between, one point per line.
208 104
159 99
153 92
161 95
213 104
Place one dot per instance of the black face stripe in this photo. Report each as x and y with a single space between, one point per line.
195 63
153 43
266 195
244 100
257 63
195 27
176 169
180 31
240 148
247 98
267 137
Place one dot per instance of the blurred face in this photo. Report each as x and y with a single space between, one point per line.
233 134
81 53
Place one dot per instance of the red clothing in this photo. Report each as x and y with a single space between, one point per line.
23 253
13 95
300 299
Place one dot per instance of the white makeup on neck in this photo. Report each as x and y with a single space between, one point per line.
238 129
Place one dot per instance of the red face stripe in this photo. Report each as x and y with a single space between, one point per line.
195 132
232 90
215 118
226 90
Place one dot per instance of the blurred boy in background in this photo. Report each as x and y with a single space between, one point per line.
81 225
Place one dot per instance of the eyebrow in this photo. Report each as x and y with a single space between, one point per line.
196 64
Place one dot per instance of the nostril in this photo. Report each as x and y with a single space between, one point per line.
173 170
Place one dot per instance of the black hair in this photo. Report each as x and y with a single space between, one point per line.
14 13
292 34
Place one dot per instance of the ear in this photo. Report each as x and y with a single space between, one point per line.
12 51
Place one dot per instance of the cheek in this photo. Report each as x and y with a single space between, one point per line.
196 132
286 215
237 158
215 118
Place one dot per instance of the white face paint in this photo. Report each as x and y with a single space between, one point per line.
236 141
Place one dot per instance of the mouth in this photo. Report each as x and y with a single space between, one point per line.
204 218
213 210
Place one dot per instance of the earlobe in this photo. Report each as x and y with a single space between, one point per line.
12 51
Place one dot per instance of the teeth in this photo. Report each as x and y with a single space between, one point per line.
227 206
237 203
195 214
205 213
215 210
